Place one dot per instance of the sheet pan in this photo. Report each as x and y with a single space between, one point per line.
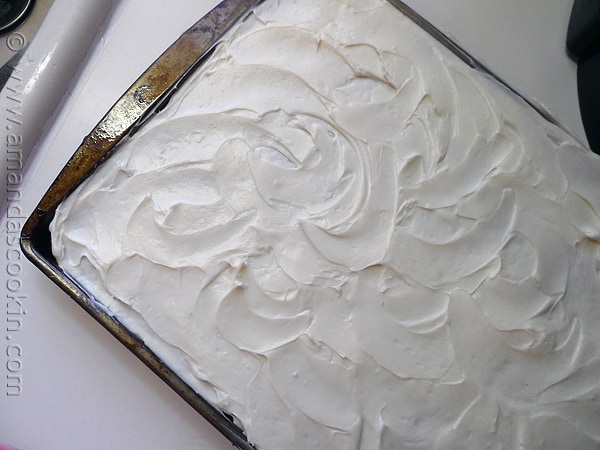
138 104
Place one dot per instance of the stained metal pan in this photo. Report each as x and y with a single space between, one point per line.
141 100
138 104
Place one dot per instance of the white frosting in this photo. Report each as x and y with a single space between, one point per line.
345 237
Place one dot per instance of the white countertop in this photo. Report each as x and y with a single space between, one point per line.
78 387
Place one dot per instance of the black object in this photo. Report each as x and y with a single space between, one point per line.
13 13
583 46
588 86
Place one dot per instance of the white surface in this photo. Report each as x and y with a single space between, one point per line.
79 387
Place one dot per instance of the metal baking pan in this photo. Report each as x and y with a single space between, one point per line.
138 104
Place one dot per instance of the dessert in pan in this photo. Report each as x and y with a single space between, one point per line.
343 236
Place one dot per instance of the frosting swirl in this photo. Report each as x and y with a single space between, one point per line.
346 238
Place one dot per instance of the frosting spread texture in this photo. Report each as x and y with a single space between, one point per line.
345 237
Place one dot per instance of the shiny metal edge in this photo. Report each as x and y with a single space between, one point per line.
34 248
146 95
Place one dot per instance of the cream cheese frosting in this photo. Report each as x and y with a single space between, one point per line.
345 237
